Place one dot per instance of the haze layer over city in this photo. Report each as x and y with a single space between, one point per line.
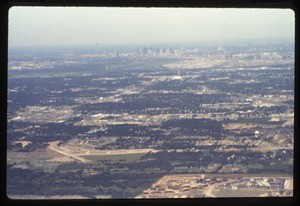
150 103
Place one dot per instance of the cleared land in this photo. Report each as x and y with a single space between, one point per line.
220 185
85 155
238 193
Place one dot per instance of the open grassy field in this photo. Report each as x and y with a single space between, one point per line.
114 157
72 166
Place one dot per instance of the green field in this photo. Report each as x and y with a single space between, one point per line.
114 157
72 166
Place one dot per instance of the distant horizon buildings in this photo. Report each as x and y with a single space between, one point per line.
135 45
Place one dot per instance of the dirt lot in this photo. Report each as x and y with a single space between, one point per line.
238 193
212 185
240 126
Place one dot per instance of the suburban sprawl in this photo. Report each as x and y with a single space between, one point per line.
151 121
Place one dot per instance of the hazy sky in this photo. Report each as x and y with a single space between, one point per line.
44 26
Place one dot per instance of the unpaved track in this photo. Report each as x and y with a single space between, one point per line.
69 155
